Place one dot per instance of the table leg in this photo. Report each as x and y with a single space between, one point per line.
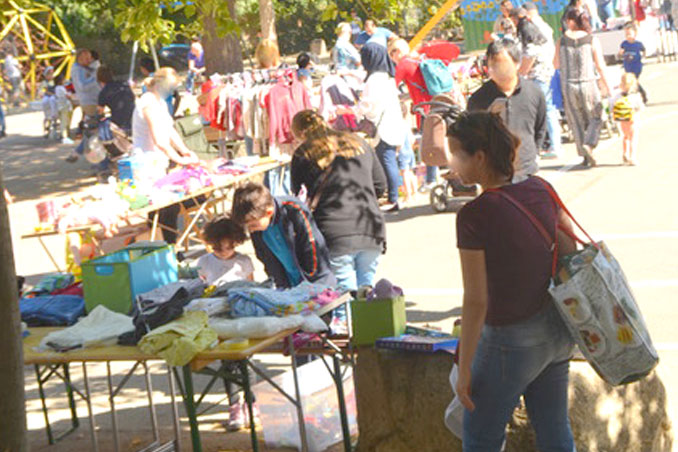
175 412
75 422
151 405
249 399
92 423
44 247
189 228
111 401
154 228
189 401
339 381
41 391
297 392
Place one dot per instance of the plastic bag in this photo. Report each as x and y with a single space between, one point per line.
454 414
255 327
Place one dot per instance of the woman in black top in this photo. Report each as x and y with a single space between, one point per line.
344 179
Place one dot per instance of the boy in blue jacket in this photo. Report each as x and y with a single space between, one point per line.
285 236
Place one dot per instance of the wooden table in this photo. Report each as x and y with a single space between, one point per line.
53 362
204 202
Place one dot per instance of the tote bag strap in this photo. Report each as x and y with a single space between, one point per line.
561 205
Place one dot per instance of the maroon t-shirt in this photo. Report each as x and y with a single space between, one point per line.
518 259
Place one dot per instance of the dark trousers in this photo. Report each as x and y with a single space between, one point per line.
169 217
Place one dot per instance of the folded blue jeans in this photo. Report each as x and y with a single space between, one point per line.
529 359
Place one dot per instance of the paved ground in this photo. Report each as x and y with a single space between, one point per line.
633 209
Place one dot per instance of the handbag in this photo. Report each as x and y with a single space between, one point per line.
596 303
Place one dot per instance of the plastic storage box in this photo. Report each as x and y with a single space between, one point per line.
116 279
375 319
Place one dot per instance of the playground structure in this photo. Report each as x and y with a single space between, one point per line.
38 39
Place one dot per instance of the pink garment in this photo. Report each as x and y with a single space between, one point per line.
283 101
186 178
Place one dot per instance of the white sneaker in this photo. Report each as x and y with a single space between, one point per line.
67 140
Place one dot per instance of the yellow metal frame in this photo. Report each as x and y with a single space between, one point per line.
430 25
31 25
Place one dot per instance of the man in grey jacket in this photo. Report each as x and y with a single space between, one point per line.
84 76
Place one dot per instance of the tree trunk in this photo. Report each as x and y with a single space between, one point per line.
267 19
222 54
12 408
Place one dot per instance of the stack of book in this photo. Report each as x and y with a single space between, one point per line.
420 340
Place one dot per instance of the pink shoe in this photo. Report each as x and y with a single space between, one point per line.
236 417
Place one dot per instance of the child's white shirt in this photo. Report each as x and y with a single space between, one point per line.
215 271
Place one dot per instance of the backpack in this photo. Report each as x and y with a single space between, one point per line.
622 110
192 131
437 76
435 150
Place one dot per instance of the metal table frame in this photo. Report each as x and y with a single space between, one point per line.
48 371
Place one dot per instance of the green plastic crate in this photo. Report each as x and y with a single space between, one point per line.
114 280
375 319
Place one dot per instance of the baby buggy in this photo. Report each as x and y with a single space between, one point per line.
442 111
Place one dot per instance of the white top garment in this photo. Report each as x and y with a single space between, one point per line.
142 140
381 105
215 271
12 67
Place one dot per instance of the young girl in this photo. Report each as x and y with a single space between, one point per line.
513 341
221 266
224 264
624 107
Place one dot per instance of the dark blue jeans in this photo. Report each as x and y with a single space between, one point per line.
388 158
530 358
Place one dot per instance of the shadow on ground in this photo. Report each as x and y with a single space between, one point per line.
34 167
415 315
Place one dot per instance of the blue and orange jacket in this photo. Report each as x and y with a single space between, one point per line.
304 240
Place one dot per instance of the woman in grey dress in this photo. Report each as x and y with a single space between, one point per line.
580 59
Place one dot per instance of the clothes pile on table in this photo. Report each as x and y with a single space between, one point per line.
179 320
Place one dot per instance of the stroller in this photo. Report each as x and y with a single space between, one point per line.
451 192
103 141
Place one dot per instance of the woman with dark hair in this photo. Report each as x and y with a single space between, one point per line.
343 179
513 341
579 57
381 105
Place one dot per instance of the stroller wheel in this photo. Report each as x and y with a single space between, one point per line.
439 198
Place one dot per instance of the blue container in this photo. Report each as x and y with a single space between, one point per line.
129 168
116 279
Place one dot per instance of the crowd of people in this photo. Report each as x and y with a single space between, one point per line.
330 226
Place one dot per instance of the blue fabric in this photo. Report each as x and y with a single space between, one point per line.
345 55
530 358
633 57
387 157
605 10
556 91
169 100
552 118
431 174
355 270
3 125
52 310
259 302
437 76
275 240
381 36
278 181
406 158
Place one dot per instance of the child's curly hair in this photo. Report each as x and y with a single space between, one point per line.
223 228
